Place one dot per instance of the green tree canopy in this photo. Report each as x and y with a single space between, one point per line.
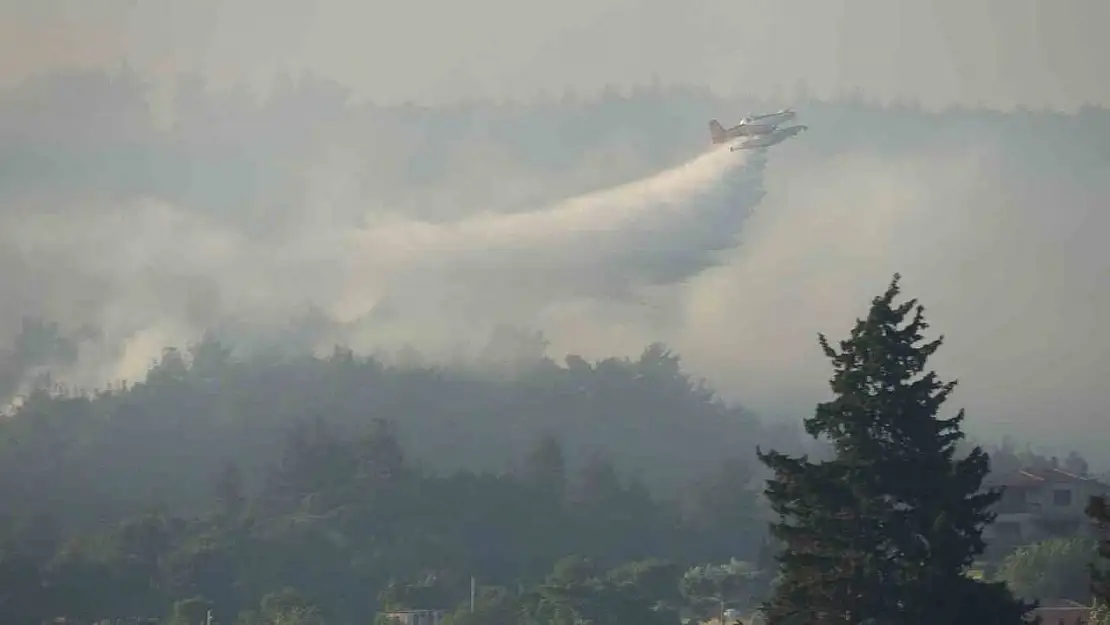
711 588
893 520
1098 509
1057 568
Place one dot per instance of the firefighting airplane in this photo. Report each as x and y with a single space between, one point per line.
763 128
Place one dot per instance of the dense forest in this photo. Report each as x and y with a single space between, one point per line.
163 438
230 479
262 471
301 488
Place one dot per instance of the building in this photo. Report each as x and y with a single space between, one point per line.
417 617
1062 613
1041 503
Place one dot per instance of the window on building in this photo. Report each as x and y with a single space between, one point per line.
1061 497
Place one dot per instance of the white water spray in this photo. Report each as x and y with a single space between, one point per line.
657 230
173 274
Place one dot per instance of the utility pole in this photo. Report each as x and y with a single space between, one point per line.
472 588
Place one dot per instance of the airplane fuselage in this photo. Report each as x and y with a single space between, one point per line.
749 130
777 136
720 134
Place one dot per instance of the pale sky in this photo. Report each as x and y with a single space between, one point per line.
1020 218
1000 53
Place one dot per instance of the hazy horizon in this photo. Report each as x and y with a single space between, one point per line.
995 53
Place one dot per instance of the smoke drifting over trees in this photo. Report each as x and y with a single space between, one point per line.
248 332
302 218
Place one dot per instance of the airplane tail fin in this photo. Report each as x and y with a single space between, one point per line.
717 131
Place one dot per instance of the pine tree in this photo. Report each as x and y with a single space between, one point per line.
886 529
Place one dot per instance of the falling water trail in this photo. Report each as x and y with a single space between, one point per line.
393 279
657 230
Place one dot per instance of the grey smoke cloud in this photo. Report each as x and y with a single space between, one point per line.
155 255
241 217
658 230
1004 249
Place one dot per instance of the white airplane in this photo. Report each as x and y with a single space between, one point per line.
769 119
776 136
720 134
750 126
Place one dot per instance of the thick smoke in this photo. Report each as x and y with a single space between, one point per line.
310 221
1003 247
128 265
606 245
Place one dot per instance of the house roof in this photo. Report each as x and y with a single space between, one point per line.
1040 477
1062 603
1062 612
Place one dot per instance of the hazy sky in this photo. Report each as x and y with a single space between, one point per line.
996 52
104 219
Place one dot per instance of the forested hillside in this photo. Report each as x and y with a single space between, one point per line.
164 438
264 456
230 479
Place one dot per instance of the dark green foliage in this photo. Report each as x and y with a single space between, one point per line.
342 514
710 589
431 592
546 469
285 607
1098 509
202 481
23 601
638 593
1057 568
894 519
206 422
577 591
230 492
719 507
493 605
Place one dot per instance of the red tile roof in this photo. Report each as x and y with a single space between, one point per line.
1038 477
1062 613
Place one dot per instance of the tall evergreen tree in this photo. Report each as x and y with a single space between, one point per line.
890 524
